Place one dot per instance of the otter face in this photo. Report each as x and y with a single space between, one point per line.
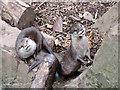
26 48
78 30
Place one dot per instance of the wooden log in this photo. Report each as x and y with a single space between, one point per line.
45 75
18 15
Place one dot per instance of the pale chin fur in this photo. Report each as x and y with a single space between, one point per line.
25 53
78 34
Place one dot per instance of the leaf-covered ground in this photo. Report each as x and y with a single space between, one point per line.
48 12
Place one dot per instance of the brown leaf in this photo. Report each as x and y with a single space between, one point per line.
66 44
49 26
65 23
58 25
80 15
90 45
91 37
57 42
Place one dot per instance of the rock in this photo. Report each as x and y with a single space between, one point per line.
11 77
108 20
0 70
49 39
58 25
104 72
8 36
14 76
88 16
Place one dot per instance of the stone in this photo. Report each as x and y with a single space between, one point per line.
12 74
105 22
58 25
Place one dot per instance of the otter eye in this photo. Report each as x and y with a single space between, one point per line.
26 40
75 30
22 46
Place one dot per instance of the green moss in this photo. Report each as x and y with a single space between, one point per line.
99 85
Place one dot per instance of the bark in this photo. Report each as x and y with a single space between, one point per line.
18 14
45 75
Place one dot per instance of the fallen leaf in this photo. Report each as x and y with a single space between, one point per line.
66 44
63 51
68 36
65 23
92 2
80 15
48 26
57 42
88 16
91 37
90 45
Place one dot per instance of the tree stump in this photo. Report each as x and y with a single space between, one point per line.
18 15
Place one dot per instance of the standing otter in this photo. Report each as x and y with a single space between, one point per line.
78 50
29 43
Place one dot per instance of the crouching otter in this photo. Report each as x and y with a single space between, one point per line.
29 43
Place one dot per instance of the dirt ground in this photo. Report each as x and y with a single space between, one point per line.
47 13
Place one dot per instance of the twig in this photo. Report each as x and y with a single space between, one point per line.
74 18
22 3
41 4
96 14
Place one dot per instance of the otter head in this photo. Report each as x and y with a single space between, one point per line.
26 48
77 30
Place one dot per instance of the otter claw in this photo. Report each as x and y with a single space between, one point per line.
85 62
81 60
34 65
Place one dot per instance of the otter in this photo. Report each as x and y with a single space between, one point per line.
29 43
26 48
79 49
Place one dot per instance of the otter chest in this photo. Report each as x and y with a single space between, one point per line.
80 45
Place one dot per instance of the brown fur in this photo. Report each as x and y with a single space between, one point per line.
74 56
